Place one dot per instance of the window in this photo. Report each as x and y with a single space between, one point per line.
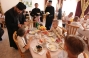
69 6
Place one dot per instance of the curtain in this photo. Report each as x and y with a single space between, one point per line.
82 8
78 9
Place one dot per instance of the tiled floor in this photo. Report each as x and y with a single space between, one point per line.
5 50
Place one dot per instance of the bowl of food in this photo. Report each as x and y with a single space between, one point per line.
39 48
42 28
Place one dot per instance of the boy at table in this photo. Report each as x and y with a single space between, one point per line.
77 23
56 28
22 39
73 48
85 21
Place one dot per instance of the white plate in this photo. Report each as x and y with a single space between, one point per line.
47 13
52 47
51 34
32 32
35 50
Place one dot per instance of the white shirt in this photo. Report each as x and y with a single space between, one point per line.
21 43
64 54
85 22
58 30
66 19
77 24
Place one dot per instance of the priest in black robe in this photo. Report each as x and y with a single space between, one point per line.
35 11
13 20
50 15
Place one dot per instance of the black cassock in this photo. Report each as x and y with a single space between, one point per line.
34 13
60 13
50 17
11 21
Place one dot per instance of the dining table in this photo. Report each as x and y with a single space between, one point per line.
48 39
84 33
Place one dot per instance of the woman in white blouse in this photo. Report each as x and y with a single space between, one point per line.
22 40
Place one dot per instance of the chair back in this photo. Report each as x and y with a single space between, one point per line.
71 30
31 23
15 40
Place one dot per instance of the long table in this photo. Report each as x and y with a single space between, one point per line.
34 43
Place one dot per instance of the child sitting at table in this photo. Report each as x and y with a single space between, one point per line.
73 48
22 39
77 23
55 27
37 19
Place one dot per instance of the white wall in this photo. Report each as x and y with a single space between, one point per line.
69 6
7 4
40 2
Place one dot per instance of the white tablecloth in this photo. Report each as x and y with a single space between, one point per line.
85 33
34 42
35 55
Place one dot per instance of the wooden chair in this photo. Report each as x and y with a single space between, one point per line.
31 24
15 40
71 30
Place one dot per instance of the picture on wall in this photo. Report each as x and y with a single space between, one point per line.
28 3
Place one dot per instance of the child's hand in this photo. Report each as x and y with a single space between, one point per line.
30 39
48 54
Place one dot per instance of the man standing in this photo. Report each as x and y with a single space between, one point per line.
50 15
13 20
35 12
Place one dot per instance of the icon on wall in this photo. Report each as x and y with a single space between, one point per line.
28 3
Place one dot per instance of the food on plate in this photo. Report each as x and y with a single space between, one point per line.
58 40
42 28
52 47
39 48
45 32
52 39
42 41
